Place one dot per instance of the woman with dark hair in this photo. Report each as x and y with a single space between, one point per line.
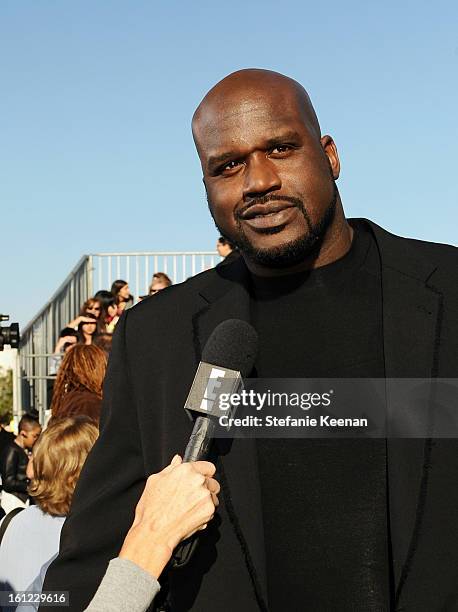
109 315
87 329
91 307
78 387
120 290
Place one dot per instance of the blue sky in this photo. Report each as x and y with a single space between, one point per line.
96 152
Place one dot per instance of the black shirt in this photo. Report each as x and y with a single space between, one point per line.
324 500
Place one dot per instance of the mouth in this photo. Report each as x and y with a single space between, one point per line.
268 216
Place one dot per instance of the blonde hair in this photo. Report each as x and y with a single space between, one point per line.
83 367
58 458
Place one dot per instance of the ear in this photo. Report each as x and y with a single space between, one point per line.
330 149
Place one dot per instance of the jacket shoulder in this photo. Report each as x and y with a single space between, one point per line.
435 253
9 451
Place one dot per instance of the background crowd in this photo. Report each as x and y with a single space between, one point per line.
77 369
39 469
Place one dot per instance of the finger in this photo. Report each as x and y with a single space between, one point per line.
175 461
213 485
204 467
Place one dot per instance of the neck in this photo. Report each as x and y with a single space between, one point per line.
19 442
336 244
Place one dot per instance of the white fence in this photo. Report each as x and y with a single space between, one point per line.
138 268
91 274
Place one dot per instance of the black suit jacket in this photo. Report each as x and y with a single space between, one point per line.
156 349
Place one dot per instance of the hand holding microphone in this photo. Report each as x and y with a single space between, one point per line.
176 502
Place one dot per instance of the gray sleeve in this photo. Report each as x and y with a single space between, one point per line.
54 363
126 587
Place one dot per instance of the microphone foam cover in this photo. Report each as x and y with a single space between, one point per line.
233 344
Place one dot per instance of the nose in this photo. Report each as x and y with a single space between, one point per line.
261 177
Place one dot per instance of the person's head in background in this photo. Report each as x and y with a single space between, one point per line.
68 337
5 420
29 430
86 331
224 246
109 306
57 460
91 306
121 292
104 341
159 281
81 374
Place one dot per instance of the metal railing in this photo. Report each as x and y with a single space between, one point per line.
138 268
91 274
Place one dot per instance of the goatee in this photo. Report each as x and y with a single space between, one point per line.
290 253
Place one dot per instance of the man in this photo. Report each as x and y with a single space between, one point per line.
159 281
227 250
322 525
224 247
13 464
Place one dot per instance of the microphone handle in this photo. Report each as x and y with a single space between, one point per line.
197 449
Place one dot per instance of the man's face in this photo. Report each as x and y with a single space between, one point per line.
270 180
157 285
223 249
29 437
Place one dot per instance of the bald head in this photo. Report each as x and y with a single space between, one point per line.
268 173
245 91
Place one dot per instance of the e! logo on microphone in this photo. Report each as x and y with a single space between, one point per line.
210 382
214 383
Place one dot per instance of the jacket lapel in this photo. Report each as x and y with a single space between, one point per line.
411 326
227 298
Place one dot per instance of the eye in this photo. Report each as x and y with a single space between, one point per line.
280 149
230 166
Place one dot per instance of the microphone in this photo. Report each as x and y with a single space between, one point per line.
228 356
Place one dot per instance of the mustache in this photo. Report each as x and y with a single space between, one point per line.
270 197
